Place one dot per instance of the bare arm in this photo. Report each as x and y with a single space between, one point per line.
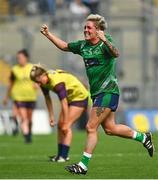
8 92
54 39
50 109
111 48
64 109
61 91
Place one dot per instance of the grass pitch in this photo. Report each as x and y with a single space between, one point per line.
114 158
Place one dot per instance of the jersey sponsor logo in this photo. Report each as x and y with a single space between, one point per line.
91 62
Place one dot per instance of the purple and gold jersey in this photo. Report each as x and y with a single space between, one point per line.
23 87
59 80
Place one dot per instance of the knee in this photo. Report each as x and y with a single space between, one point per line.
111 130
64 129
90 128
108 131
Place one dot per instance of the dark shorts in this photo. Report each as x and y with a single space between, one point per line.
83 103
25 104
106 100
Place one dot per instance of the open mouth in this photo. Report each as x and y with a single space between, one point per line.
87 35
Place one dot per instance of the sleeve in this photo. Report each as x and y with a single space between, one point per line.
107 51
75 47
60 90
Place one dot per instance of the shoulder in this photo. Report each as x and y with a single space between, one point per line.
53 76
79 42
15 67
29 64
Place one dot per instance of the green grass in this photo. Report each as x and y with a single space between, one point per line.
114 158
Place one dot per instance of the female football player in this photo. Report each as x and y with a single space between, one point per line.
99 54
73 97
22 90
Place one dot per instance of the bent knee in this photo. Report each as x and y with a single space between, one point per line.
111 130
91 128
64 129
108 131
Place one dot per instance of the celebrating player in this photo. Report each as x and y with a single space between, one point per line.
99 54
73 98
22 90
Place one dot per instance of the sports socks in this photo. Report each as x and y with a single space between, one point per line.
138 136
63 150
16 128
28 137
85 160
59 149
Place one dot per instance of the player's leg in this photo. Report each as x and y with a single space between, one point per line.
54 158
60 134
97 115
74 113
24 122
65 132
30 108
14 117
111 128
29 118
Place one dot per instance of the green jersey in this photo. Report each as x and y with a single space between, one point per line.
100 65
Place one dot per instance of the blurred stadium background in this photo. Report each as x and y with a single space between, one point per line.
132 23
134 26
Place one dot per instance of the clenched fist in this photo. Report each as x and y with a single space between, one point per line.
44 29
101 35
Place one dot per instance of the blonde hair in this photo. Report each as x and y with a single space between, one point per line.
36 71
99 21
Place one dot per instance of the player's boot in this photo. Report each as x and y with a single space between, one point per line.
76 169
148 144
56 158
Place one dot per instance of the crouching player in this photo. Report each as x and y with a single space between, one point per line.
74 100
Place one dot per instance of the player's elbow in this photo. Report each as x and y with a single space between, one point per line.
116 55
64 46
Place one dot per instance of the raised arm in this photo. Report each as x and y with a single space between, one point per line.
54 39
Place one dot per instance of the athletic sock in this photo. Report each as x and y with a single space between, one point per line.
30 126
30 136
16 127
138 136
85 160
59 149
64 151
15 120
27 138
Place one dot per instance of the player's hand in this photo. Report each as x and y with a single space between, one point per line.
5 101
44 29
52 122
101 35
